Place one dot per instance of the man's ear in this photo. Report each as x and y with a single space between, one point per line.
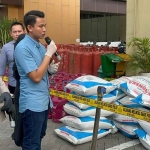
30 28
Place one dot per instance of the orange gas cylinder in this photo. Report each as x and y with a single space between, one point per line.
115 49
102 48
86 62
61 53
58 46
106 49
71 59
66 60
96 61
77 61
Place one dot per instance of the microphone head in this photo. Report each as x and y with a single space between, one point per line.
58 57
47 40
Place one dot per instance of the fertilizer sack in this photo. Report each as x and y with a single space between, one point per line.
109 97
87 85
143 137
125 119
136 86
126 130
120 80
142 100
127 101
86 123
71 109
76 137
145 125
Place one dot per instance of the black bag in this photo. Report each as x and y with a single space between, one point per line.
17 136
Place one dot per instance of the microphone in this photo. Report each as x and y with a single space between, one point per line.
48 41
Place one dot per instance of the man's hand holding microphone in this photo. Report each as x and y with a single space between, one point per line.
52 49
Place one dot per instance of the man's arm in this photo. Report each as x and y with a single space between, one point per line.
38 74
25 61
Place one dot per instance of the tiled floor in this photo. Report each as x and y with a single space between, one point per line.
52 142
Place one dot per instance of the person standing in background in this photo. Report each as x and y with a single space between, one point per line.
33 62
7 55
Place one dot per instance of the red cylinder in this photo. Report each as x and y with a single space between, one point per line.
106 49
61 53
57 110
66 60
71 60
96 62
77 62
115 49
86 62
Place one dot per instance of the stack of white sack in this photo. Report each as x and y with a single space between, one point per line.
87 86
137 89
79 130
81 117
135 95
124 124
80 123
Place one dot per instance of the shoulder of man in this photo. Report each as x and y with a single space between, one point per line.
22 44
7 45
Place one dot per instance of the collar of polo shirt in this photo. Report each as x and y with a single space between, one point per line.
37 44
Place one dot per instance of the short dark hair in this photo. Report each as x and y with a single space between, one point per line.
20 37
30 17
16 23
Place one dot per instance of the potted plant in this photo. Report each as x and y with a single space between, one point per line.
5 30
140 55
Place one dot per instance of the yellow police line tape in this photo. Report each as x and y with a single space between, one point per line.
135 113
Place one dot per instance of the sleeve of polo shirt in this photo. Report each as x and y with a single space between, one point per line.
3 61
24 59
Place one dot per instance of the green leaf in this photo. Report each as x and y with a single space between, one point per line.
140 56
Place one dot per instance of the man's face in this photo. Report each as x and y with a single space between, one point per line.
39 29
16 30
